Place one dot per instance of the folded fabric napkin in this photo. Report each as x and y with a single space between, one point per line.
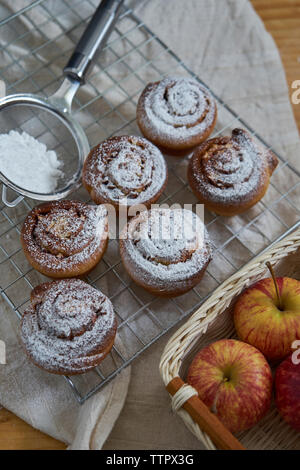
225 43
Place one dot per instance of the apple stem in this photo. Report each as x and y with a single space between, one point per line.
270 268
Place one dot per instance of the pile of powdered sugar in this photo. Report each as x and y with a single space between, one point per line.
27 163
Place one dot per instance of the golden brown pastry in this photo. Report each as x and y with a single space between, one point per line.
125 170
165 251
177 114
231 174
69 327
65 238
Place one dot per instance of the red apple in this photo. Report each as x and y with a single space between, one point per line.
287 386
261 321
234 380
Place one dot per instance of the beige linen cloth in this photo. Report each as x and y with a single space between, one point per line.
226 44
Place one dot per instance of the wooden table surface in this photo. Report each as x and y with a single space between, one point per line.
282 19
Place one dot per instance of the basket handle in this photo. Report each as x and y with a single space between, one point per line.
208 422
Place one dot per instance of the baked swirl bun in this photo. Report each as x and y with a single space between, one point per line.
231 174
69 327
65 238
125 170
176 113
165 251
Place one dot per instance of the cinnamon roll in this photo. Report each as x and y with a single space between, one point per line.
65 238
176 113
165 251
126 171
69 327
231 174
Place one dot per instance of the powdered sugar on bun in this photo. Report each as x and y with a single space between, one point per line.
165 250
125 170
230 171
176 112
65 236
69 327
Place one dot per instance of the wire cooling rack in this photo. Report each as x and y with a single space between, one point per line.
35 43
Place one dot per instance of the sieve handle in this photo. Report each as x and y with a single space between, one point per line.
8 203
93 38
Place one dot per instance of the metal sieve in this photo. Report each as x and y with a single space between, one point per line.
50 119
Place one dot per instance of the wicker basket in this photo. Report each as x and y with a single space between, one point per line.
213 321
